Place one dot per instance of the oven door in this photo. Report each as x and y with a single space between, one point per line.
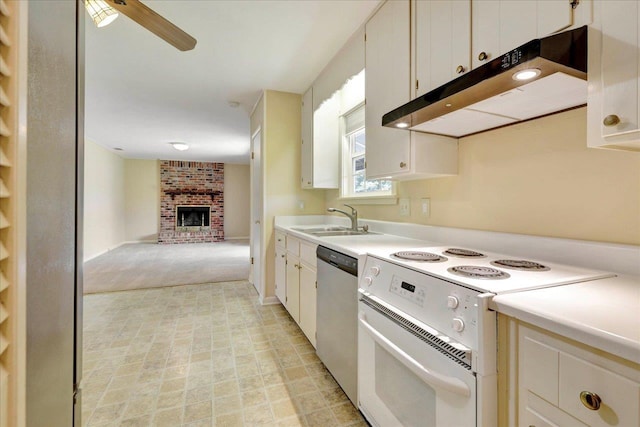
403 381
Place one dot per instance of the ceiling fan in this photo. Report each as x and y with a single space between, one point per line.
102 12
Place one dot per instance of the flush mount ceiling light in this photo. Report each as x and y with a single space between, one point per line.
527 74
180 146
100 12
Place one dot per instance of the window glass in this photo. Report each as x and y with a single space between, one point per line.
354 182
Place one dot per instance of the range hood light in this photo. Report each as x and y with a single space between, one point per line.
402 125
527 74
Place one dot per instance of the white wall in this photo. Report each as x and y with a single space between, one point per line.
236 201
142 200
104 200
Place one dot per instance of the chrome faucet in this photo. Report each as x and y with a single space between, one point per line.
353 216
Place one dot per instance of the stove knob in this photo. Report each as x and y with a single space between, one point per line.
375 270
367 281
457 324
452 302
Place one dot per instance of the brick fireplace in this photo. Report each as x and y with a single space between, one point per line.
191 202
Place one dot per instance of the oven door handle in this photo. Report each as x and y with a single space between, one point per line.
443 382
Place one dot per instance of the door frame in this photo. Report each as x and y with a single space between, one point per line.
257 272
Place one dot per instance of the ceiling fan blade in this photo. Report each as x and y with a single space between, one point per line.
155 23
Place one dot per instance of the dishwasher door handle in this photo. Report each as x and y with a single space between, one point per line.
440 381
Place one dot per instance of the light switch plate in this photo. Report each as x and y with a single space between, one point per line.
404 207
425 207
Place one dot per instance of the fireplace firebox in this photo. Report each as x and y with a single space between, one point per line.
193 217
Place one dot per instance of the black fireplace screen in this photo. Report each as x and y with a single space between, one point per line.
193 216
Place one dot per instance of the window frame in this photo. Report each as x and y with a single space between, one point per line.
347 172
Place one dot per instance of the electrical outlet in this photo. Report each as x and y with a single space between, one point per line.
425 207
405 207
301 205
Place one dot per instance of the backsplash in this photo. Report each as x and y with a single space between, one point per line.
197 184
536 178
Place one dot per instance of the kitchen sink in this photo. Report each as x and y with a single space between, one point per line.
342 233
333 231
321 229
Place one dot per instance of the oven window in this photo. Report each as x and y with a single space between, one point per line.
410 400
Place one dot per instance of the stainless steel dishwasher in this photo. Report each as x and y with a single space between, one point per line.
337 317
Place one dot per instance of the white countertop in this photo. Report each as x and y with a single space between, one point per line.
603 313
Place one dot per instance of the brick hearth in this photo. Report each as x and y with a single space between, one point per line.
191 184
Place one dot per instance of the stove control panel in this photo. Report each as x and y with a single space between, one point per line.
448 307
414 293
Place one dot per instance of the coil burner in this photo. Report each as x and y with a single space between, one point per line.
478 272
520 264
464 253
419 256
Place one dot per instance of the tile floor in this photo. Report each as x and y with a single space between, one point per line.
202 355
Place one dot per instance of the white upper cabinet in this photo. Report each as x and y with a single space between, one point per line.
397 153
320 143
442 42
614 76
501 25
387 86
306 165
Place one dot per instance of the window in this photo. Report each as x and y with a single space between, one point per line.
354 182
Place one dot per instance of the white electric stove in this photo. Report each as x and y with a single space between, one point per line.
426 337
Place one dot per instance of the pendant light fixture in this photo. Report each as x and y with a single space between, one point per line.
101 13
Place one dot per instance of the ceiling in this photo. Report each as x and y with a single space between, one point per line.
142 93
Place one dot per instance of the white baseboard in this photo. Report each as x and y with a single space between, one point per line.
269 300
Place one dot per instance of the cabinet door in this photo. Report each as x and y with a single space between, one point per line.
442 42
326 143
387 86
306 165
281 274
619 70
308 302
293 287
501 25
553 16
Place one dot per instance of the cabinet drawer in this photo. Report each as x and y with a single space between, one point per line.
619 396
539 413
308 253
293 245
281 239
540 369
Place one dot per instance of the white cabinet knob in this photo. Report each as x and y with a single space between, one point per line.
457 324
367 281
375 270
452 302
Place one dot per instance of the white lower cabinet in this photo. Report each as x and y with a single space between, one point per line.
292 301
562 384
308 284
296 282
281 266
281 274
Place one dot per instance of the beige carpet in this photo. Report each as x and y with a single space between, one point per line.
149 265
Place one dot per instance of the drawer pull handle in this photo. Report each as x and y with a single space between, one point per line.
590 400
483 56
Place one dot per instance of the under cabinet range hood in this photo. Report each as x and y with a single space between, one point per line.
541 77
